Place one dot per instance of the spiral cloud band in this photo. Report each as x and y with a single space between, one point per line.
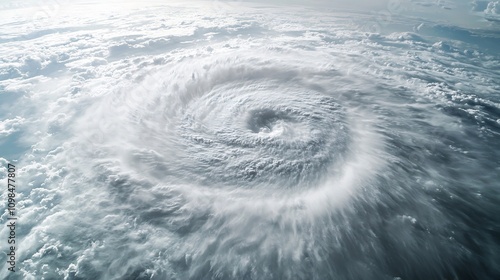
236 141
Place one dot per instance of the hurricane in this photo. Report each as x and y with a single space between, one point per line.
234 140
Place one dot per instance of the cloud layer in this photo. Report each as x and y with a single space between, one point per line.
228 140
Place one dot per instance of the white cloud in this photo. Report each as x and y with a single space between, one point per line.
490 10
169 136
10 126
493 8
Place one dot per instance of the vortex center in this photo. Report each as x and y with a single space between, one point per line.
267 121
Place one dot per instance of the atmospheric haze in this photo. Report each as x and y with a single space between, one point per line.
251 139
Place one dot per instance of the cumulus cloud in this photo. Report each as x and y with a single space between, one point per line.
493 8
490 10
10 126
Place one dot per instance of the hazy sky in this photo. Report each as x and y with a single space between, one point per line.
466 13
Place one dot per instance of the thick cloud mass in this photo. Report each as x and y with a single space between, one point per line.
237 141
493 8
